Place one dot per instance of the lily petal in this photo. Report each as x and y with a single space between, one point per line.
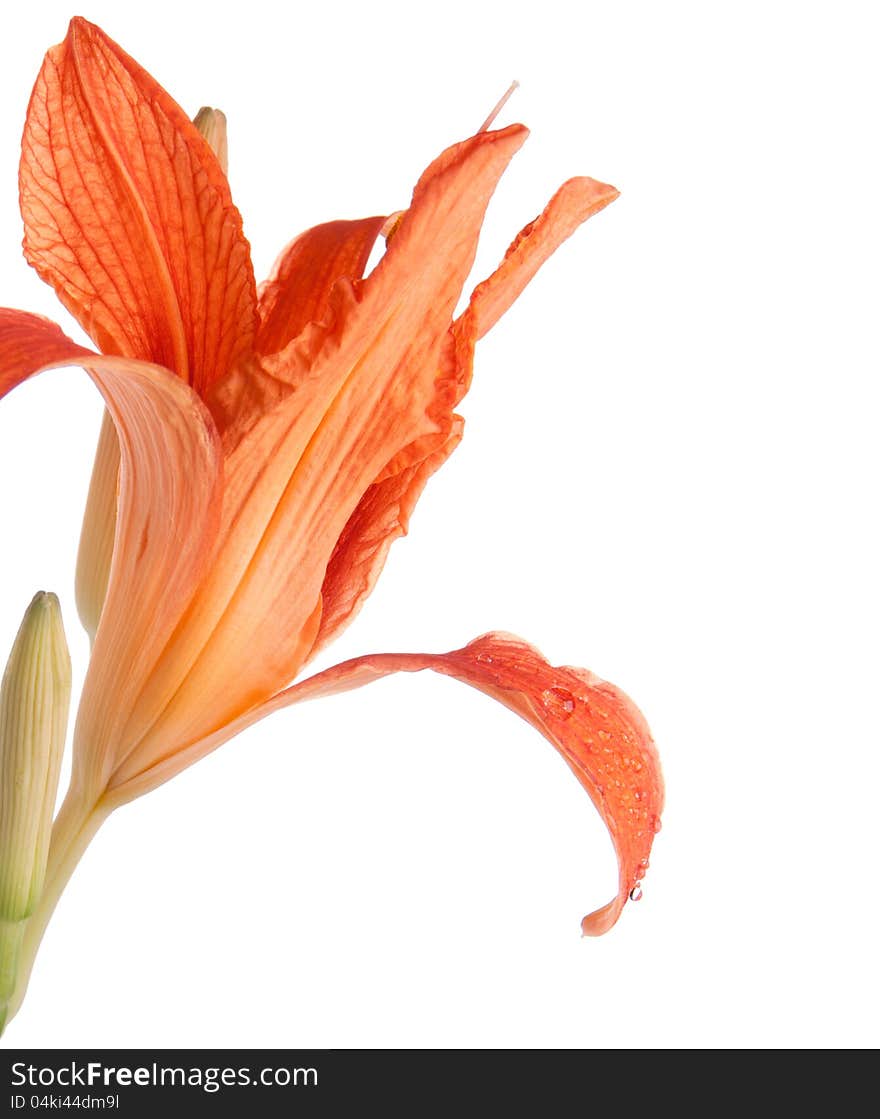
30 343
598 730
169 495
129 216
295 474
298 290
383 514
574 202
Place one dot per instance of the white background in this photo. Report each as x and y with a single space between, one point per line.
670 476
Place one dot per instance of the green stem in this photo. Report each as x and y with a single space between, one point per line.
73 830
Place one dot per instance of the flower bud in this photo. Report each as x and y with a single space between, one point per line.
212 125
34 699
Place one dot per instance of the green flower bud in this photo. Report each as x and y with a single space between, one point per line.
34 700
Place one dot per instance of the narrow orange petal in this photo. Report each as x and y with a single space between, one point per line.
384 511
128 215
598 730
169 496
573 203
298 290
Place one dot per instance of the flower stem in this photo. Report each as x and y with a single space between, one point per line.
73 830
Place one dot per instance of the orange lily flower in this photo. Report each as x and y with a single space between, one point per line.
270 444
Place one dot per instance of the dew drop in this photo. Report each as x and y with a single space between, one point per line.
485 658
558 701
605 735
635 893
656 824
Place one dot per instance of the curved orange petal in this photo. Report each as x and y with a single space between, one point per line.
295 474
128 214
30 343
298 290
169 496
597 729
574 202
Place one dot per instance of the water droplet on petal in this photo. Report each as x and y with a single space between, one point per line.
635 893
558 701
485 658
656 824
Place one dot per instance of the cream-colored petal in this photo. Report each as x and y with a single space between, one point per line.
169 495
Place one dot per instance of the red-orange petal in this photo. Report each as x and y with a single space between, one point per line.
598 730
574 202
298 290
29 343
168 511
128 215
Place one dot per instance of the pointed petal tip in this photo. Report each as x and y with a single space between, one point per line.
513 134
516 129
600 921
79 26
593 193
